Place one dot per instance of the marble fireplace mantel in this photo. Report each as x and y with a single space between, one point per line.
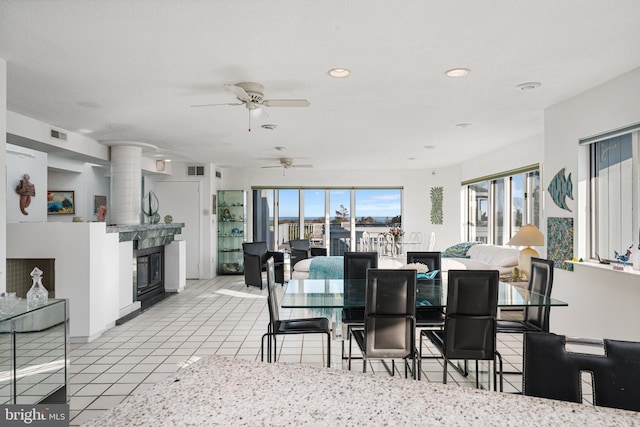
147 235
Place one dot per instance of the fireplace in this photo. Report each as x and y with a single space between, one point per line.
148 273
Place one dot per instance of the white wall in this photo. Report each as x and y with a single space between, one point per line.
3 172
39 132
602 303
523 153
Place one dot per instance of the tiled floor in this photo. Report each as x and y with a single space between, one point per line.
220 316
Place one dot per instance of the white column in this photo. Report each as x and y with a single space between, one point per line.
126 181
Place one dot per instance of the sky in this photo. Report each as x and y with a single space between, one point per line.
369 202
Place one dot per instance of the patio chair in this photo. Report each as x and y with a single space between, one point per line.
255 257
301 249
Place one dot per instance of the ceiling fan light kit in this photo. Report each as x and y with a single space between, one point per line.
251 95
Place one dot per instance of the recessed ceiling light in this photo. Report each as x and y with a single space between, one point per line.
411 158
529 85
280 148
463 125
84 131
167 160
269 126
457 72
429 147
339 72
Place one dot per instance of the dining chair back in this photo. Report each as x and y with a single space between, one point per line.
470 320
312 325
428 317
540 282
552 372
389 327
356 264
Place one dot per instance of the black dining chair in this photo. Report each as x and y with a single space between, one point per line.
356 265
552 372
535 318
390 322
428 317
470 321
314 325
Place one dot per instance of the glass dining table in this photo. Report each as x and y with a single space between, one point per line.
329 296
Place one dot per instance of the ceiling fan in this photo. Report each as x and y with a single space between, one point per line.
286 163
251 95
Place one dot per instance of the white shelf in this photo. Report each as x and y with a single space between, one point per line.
593 264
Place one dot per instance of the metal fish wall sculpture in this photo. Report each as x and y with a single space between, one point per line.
560 188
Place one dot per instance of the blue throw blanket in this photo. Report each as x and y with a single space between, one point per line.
326 267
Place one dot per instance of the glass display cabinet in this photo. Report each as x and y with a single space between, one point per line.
232 230
34 356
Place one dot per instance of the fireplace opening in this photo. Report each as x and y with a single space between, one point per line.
149 274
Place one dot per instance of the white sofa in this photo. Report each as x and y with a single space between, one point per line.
480 257
485 257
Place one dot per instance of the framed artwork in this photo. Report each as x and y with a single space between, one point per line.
560 242
60 202
213 204
437 194
99 201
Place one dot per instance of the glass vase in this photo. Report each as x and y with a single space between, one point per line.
38 295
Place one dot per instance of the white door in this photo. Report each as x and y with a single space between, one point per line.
181 200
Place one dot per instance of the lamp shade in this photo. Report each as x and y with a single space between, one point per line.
528 235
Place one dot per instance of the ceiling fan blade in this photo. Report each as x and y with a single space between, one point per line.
286 103
213 105
269 167
239 92
301 166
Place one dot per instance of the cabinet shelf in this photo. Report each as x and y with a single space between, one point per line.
232 229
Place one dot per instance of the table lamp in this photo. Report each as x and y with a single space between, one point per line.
528 236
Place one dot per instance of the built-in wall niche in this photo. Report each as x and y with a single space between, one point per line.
19 275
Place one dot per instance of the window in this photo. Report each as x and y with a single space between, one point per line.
613 189
497 206
349 212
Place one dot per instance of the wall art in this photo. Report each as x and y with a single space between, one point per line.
437 193
560 188
560 242
60 202
26 190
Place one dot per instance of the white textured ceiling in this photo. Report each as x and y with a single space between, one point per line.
129 70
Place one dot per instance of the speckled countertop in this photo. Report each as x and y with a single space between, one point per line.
232 392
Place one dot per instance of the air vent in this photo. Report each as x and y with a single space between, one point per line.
195 170
218 174
58 135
